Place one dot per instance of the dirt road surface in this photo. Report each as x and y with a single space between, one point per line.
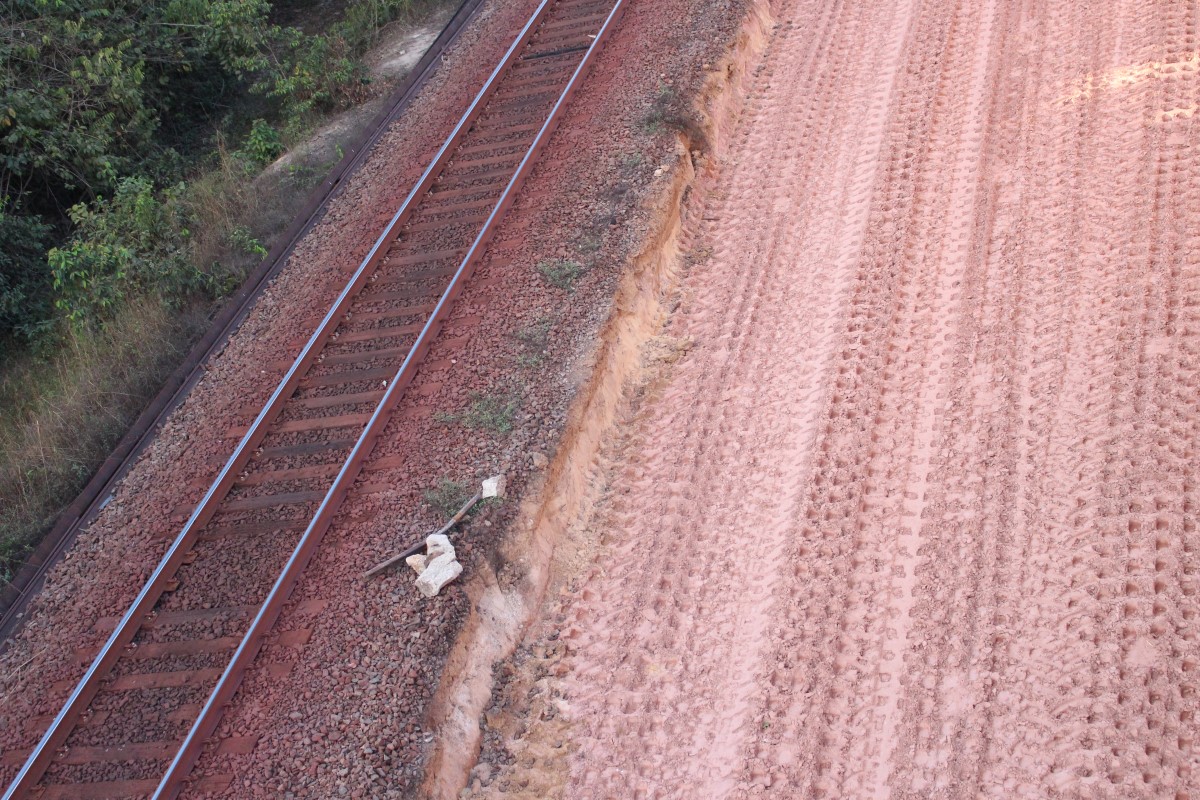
915 516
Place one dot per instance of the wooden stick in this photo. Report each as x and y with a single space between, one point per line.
419 546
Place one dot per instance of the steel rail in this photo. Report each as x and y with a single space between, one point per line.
85 691
209 717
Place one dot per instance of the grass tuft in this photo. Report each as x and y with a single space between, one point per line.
533 339
560 273
486 412
660 113
447 497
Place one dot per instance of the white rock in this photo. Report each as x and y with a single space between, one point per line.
493 487
436 545
438 572
417 562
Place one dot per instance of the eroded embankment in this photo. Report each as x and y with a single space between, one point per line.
547 542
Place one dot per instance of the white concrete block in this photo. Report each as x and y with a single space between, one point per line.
436 545
493 487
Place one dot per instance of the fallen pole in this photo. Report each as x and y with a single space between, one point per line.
419 546
492 487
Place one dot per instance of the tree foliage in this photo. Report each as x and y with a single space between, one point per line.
87 83
25 291
102 102
131 243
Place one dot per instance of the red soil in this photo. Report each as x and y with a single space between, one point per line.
915 515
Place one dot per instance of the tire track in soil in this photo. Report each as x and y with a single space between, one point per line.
762 429
915 516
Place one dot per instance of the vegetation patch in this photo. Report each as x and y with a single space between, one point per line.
661 112
447 497
486 412
668 112
58 419
533 340
560 273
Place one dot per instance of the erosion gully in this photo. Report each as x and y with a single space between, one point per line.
152 697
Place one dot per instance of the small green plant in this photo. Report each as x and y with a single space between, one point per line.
447 497
492 413
486 412
535 336
241 238
589 243
631 161
310 74
659 113
301 176
534 339
263 144
560 272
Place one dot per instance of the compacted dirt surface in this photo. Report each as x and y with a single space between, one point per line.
910 511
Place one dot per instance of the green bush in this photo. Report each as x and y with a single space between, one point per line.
263 145
134 242
310 74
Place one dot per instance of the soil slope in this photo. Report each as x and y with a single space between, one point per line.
915 515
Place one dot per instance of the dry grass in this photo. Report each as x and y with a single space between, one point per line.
60 417
237 217
219 200
62 413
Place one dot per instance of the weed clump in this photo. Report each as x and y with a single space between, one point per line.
486 412
667 112
560 273
533 339
447 497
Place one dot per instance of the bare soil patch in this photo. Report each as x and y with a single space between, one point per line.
899 503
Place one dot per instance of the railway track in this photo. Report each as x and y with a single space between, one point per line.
145 709
16 594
